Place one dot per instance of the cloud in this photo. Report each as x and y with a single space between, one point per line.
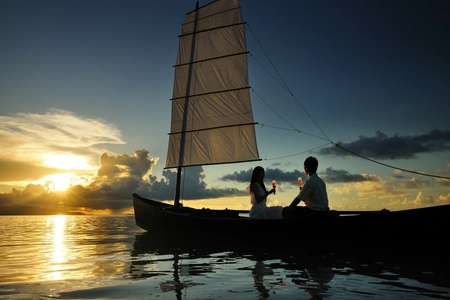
341 176
422 200
22 171
381 146
398 174
110 188
364 192
443 199
412 184
27 137
28 142
290 177
116 179
443 182
113 167
193 186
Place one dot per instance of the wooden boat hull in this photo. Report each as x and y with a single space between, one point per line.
422 225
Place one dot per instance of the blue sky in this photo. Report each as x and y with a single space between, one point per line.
83 85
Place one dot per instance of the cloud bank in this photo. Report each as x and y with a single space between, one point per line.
382 146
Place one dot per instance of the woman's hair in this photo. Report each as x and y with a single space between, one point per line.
255 178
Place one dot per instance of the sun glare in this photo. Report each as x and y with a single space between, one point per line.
67 162
59 182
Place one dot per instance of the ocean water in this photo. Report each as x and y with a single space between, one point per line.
109 257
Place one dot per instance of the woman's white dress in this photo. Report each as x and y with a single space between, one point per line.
261 210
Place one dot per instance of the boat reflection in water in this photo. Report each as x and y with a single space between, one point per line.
313 280
317 283
195 268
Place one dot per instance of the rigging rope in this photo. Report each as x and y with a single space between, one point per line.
274 110
390 166
285 86
296 130
275 158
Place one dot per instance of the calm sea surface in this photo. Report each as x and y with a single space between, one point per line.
109 257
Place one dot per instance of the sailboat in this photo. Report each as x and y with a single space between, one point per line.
212 123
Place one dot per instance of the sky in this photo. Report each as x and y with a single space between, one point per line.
363 86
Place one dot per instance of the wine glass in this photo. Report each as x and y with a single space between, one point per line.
274 185
300 181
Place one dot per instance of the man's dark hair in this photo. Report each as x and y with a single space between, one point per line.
312 163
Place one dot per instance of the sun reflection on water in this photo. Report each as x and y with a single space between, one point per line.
59 250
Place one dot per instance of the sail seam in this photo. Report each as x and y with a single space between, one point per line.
213 128
210 93
211 29
212 58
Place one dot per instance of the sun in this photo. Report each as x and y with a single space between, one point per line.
59 182
68 164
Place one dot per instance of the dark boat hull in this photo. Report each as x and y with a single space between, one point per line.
414 226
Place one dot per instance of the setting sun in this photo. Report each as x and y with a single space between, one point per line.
59 182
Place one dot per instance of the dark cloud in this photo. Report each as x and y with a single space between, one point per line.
113 167
341 176
398 175
330 176
381 146
444 182
271 174
241 176
412 184
193 186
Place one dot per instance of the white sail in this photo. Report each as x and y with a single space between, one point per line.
212 118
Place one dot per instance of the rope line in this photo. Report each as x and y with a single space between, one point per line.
267 56
297 153
284 83
274 110
296 130
390 166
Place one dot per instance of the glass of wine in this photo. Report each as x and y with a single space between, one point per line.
274 185
300 181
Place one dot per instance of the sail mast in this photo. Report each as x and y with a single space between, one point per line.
186 105
212 119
